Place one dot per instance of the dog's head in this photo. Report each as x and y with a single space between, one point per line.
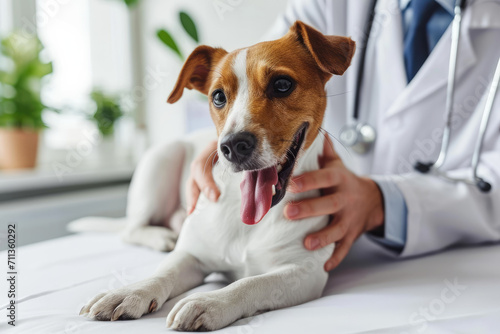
267 102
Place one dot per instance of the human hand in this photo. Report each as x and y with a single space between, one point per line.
354 203
201 178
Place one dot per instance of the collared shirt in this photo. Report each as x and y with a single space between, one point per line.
438 23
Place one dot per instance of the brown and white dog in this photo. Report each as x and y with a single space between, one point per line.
267 102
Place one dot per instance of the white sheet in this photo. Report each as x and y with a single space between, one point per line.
371 292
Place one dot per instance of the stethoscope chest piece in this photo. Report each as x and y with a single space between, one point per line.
359 137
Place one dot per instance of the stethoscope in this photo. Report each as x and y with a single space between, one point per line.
360 136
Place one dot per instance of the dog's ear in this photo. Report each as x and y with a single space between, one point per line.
333 54
196 71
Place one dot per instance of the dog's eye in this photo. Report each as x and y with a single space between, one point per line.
219 98
281 86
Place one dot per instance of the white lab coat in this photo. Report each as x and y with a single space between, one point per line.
410 118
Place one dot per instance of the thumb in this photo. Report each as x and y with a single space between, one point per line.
329 152
205 181
192 194
210 189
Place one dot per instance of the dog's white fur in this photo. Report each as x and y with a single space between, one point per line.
271 267
268 261
239 117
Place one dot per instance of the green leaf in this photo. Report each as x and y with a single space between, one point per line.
167 39
39 70
189 26
131 3
21 81
107 111
5 77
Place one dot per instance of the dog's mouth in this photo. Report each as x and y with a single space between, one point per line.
264 188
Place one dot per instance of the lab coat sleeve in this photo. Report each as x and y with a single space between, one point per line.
443 213
395 212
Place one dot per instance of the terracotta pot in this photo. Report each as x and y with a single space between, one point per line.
18 148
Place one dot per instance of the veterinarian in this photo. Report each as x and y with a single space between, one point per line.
396 97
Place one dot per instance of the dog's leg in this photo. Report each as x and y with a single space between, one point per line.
159 238
154 197
178 273
288 286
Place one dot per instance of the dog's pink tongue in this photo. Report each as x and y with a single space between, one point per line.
257 194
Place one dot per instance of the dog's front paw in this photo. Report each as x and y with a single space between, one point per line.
156 237
162 239
122 304
203 311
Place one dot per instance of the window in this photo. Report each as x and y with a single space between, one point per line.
88 43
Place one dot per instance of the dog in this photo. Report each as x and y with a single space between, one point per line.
267 102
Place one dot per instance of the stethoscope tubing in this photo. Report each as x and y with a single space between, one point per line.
486 118
450 90
363 145
443 153
476 180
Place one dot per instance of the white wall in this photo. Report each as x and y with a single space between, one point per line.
237 23
110 51
5 17
45 217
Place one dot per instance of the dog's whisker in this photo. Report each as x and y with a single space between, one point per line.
326 134
214 162
208 159
338 94
291 152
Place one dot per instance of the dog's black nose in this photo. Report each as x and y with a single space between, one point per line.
238 147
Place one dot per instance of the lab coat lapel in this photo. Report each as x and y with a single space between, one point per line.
387 36
358 12
433 74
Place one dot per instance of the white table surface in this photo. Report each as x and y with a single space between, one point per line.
371 292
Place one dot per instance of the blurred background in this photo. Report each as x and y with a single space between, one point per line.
83 85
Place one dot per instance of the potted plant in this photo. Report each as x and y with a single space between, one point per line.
21 107
106 113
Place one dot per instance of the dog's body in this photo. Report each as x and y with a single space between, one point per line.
268 261
248 250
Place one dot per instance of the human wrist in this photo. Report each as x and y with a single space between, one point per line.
375 201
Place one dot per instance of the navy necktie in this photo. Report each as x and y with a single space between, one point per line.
420 33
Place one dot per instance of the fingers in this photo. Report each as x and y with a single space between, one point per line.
204 180
339 253
201 178
333 232
313 207
336 232
329 150
193 192
329 175
318 179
